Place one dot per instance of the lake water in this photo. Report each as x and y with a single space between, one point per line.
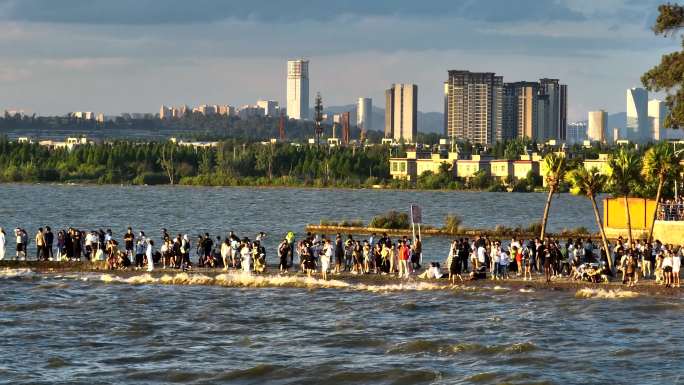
195 210
100 329
92 329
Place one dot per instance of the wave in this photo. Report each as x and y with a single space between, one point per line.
605 294
248 280
9 273
448 349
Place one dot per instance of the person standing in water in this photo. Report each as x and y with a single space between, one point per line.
149 255
2 243
283 254
326 257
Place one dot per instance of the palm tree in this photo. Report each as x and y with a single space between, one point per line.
555 172
624 165
660 163
589 183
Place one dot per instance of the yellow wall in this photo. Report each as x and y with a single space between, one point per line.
641 213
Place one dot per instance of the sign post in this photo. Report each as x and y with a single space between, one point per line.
416 219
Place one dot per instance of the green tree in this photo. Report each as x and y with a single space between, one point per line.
668 76
660 164
624 165
554 165
589 183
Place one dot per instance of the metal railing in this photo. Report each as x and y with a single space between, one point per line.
669 211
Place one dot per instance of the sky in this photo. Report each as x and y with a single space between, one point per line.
134 55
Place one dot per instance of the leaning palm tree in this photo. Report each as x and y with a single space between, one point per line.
660 163
589 183
555 172
624 166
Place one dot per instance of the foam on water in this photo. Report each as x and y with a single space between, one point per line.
605 294
16 273
249 280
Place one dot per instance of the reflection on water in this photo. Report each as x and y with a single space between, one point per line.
104 329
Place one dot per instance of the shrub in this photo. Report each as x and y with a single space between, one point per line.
452 223
391 220
534 227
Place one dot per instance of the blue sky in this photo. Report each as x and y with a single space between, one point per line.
133 55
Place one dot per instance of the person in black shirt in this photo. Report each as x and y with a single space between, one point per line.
49 240
129 237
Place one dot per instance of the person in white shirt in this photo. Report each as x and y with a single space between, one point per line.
148 255
504 260
2 243
676 265
326 258
225 252
246 255
481 253
495 255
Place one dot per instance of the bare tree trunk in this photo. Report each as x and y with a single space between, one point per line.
629 221
661 182
604 239
546 213
168 165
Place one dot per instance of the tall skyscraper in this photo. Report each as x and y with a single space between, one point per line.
475 107
164 112
555 123
401 112
598 125
637 128
364 114
298 89
520 110
657 110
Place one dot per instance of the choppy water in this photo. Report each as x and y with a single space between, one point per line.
195 210
96 329
93 329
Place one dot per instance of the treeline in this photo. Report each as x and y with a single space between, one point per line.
194 126
231 163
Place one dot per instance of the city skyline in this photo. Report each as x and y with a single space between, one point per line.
134 56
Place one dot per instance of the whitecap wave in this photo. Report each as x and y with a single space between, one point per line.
248 280
16 273
605 294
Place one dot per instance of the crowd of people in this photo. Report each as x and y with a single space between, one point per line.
478 258
671 209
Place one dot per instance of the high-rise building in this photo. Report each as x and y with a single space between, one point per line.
520 110
164 112
364 114
298 89
270 107
475 107
637 129
555 109
401 112
597 126
576 133
657 110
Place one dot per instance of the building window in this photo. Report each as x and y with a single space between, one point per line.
403 167
394 166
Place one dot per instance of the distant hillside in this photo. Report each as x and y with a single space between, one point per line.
428 122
